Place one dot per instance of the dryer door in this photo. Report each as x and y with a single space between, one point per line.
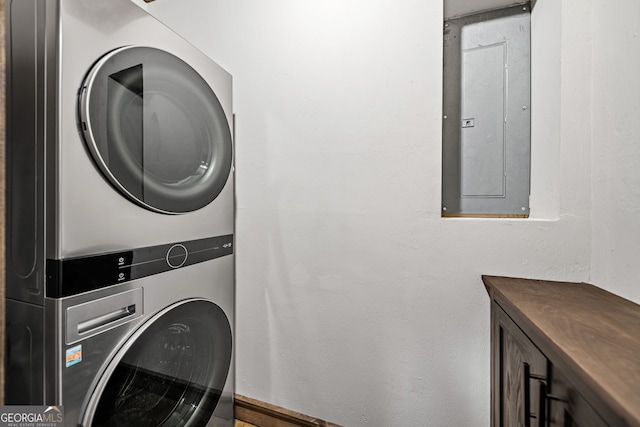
170 373
156 129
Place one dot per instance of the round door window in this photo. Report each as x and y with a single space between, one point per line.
156 129
172 374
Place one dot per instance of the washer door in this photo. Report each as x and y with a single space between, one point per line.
170 373
156 129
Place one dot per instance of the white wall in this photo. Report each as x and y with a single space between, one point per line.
616 146
546 53
356 302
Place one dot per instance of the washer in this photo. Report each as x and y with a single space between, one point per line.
120 218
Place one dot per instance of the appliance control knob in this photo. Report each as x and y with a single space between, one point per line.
177 256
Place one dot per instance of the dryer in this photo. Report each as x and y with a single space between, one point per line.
120 217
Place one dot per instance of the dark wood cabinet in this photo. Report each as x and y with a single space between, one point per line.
568 408
562 355
516 371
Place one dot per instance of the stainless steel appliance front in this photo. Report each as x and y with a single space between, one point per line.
119 213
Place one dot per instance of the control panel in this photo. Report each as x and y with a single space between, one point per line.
72 276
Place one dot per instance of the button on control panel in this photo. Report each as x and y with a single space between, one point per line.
177 256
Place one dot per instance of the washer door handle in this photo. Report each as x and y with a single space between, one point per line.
93 317
105 319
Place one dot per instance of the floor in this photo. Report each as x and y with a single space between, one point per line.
243 424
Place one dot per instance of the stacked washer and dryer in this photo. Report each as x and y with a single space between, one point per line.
120 218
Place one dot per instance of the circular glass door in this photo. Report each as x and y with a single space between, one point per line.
171 373
156 129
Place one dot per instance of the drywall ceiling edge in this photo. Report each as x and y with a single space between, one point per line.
453 8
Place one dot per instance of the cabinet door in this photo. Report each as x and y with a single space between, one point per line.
567 408
519 372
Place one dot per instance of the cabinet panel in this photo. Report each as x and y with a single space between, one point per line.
482 136
567 408
519 371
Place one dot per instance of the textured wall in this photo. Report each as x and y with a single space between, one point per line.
356 302
616 146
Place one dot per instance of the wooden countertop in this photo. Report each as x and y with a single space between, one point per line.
591 334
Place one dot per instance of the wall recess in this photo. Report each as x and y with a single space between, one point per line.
486 114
